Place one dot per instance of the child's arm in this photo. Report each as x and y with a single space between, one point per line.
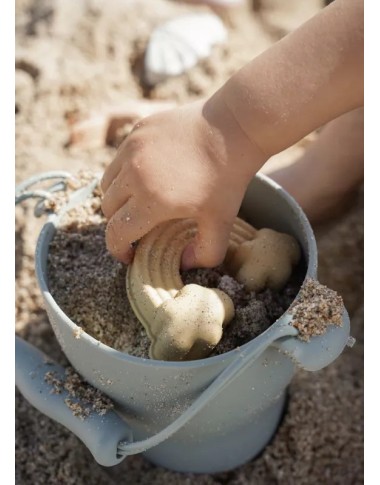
308 78
196 161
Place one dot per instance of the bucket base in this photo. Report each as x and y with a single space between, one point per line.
222 452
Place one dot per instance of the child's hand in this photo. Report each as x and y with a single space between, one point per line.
196 161
191 162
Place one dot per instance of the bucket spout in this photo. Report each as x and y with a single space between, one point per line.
100 433
109 437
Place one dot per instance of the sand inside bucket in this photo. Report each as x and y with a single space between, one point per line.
89 286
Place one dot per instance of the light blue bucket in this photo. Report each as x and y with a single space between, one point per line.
203 416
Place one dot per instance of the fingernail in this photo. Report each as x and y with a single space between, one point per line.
188 258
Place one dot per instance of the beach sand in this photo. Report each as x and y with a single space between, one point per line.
75 58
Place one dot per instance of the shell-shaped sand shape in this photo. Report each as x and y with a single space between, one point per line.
266 261
177 45
183 323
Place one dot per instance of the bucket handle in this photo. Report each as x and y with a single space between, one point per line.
22 193
109 437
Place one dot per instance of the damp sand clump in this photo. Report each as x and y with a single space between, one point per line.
315 309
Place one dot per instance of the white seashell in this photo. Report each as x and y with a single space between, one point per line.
178 45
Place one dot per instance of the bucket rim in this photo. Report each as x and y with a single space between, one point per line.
51 225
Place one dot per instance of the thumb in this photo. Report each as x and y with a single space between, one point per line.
209 246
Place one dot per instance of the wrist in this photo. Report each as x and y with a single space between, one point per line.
229 139
258 120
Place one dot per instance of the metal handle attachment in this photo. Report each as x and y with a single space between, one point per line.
22 192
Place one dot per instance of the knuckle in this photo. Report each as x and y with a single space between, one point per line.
135 143
169 200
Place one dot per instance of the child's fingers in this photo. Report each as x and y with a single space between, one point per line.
127 226
209 246
112 171
116 195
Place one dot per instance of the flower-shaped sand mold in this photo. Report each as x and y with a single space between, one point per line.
186 322
266 261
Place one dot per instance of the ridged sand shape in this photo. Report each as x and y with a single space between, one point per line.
186 322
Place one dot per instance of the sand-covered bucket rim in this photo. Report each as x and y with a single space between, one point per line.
42 250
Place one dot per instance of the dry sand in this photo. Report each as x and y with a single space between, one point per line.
72 58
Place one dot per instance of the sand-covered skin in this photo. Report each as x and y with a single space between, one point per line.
70 65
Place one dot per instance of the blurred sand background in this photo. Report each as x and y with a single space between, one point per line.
74 58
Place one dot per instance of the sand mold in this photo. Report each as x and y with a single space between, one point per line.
90 287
